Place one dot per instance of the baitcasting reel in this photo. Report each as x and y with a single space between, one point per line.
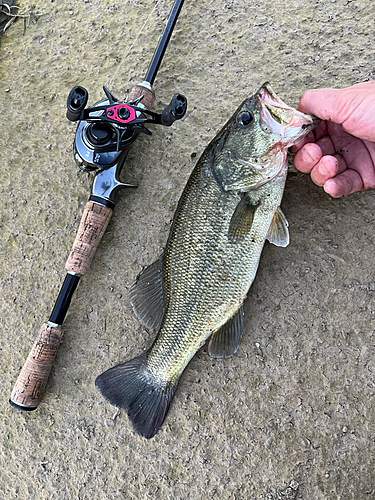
107 129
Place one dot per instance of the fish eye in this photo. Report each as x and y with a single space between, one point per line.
245 119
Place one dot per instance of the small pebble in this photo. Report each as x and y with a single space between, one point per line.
294 485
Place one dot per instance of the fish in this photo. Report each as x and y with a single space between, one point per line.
195 290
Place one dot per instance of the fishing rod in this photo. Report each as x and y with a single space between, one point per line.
103 138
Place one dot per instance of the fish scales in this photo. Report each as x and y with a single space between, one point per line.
225 270
196 289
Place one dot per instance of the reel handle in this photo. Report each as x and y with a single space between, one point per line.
175 110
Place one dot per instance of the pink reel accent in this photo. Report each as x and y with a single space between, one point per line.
115 116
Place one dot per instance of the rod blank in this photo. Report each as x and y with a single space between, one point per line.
163 42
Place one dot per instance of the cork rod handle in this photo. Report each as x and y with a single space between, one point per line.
148 96
29 388
93 224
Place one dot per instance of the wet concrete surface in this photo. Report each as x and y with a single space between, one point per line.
291 415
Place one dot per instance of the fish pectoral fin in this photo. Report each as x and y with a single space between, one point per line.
242 220
224 343
278 232
147 295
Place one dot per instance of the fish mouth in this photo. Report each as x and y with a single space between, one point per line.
278 118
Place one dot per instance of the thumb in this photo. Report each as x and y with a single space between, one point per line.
352 107
328 104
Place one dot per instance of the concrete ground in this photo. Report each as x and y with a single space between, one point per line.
291 415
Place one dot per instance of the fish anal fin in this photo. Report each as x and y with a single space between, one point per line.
147 295
242 220
224 343
278 233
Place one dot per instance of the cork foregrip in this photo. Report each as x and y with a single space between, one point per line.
148 96
91 229
29 388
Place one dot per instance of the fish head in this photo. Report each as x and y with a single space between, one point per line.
252 147
285 124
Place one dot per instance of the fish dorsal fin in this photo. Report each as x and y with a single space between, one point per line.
278 233
147 295
224 343
242 219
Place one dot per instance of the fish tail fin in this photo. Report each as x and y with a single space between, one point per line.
133 387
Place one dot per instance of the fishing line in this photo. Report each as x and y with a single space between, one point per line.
130 48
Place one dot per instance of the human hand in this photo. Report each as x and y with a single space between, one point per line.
340 153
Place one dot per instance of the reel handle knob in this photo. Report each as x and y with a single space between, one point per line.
175 110
76 103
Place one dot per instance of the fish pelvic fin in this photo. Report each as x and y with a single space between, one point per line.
224 343
133 387
278 233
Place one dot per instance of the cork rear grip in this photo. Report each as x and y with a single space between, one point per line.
29 388
93 224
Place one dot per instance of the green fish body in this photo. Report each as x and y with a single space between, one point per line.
196 289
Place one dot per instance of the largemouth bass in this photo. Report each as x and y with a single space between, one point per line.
196 289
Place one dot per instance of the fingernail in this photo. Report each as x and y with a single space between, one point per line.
331 188
323 170
306 157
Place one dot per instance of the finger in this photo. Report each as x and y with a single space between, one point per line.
326 145
343 184
317 133
371 148
307 157
325 169
320 130
342 166
352 107
309 138
360 121
358 154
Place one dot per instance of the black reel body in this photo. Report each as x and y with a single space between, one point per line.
96 145
106 130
